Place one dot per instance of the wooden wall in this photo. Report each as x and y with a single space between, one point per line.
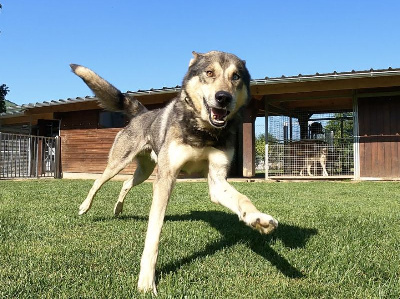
85 147
379 127
86 150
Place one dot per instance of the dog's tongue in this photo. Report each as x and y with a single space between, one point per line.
218 114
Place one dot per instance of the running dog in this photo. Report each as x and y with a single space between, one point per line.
312 158
194 132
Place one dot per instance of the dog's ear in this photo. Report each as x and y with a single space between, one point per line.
195 56
244 62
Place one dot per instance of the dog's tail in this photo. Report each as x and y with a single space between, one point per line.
110 98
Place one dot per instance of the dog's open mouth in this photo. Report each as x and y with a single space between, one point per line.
217 115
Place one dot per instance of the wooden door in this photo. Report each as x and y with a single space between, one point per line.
379 127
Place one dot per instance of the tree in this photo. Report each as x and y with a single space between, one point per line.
260 144
342 127
3 92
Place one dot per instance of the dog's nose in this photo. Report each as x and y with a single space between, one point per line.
223 98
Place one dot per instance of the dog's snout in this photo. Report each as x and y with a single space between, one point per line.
223 98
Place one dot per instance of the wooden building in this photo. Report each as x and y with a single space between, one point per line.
371 99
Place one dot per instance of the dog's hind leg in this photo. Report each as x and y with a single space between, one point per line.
112 170
145 167
223 193
121 154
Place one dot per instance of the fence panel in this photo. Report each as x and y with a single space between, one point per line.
307 144
24 156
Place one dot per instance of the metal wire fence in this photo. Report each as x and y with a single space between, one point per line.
320 146
23 156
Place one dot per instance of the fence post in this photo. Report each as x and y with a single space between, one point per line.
1 156
266 166
30 153
40 156
57 162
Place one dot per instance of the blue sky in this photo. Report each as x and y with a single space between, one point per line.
148 44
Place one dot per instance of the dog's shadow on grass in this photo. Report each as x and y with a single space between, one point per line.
234 232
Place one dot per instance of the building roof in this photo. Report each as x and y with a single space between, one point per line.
17 110
331 76
10 104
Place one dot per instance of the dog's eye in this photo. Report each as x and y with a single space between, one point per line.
210 73
235 77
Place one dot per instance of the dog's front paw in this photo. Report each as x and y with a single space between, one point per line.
84 207
146 284
264 223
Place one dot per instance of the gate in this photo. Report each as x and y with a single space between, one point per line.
24 156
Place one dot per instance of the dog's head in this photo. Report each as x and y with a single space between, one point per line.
216 85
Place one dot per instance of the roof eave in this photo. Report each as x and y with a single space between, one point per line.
327 77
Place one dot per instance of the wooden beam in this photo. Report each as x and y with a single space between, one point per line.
26 119
249 151
325 85
379 94
311 96
89 105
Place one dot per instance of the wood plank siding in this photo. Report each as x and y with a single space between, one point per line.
379 127
86 150
85 146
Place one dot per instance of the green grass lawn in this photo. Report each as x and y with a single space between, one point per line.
335 240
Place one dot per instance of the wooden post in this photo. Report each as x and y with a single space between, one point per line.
356 138
249 150
39 158
57 170
266 138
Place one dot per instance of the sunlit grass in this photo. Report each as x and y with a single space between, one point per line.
335 240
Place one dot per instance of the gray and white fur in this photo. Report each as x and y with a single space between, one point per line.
195 132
